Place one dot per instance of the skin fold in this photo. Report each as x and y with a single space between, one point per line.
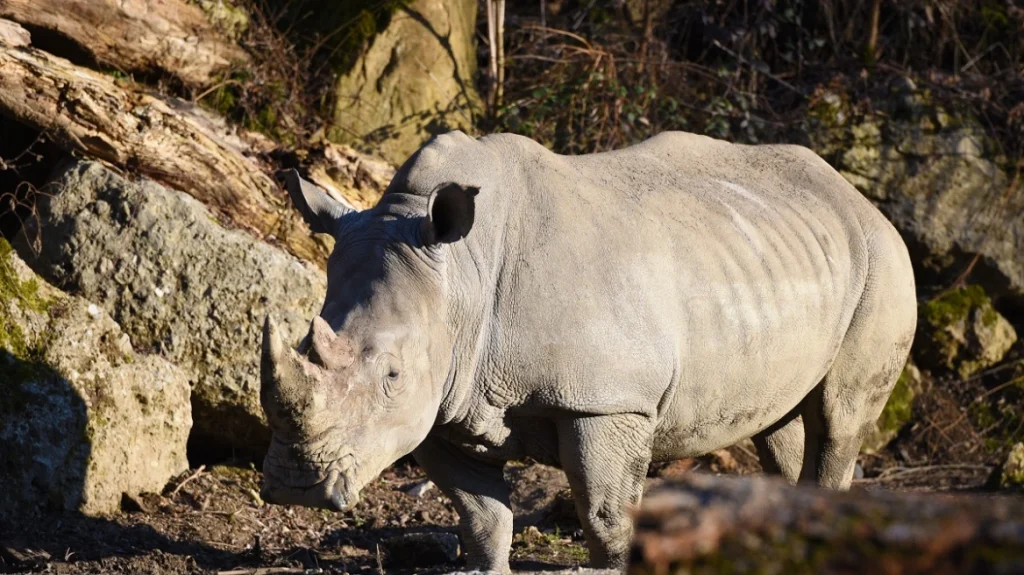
595 313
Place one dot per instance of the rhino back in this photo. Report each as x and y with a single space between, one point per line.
704 283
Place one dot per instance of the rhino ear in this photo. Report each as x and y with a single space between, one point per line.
450 213
317 207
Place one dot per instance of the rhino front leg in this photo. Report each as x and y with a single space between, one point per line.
605 459
481 498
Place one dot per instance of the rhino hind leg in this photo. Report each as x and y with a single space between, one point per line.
605 459
849 400
780 448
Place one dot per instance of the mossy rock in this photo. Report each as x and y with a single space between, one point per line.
1013 468
82 417
413 81
898 409
961 332
180 284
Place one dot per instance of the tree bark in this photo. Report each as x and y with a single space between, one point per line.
12 34
707 524
168 37
165 139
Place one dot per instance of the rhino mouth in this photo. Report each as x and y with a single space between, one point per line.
286 485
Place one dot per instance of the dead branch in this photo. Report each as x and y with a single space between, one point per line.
199 471
172 37
168 140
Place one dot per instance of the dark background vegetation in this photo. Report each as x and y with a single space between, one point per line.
591 76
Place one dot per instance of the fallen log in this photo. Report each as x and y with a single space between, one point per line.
165 139
707 524
350 177
12 34
166 37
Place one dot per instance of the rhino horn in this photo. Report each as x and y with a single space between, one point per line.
330 349
283 379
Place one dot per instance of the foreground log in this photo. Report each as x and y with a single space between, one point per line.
167 37
165 139
706 524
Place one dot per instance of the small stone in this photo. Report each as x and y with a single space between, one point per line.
94 310
421 549
420 488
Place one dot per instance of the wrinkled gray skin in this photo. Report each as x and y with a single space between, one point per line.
596 313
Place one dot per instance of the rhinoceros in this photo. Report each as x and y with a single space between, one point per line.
593 312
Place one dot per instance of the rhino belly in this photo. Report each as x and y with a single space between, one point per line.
722 398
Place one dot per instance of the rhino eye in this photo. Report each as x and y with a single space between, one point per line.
391 377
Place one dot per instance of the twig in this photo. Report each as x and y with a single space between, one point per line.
214 88
744 61
273 571
199 471
897 472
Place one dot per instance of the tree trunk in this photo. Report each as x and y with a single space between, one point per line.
167 37
166 139
706 524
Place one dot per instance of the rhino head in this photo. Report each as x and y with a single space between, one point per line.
364 387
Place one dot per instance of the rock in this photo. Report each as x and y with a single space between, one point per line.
231 20
415 79
898 409
420 488
1013 468
421 549
939 179
960 331
84 418
179 284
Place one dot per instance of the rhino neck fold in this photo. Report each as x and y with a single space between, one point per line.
446 390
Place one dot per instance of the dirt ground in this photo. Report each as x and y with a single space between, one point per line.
210 520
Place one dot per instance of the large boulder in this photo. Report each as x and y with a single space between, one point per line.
83 417
937 176
179 284
415 79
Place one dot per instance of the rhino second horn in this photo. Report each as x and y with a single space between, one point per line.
332 350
